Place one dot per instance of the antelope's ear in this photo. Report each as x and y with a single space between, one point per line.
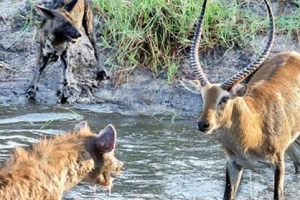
193 86
69 7
106 140
239 90
81 125
48 13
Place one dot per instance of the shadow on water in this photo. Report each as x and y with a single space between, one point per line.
164 158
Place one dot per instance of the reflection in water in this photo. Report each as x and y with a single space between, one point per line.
163 159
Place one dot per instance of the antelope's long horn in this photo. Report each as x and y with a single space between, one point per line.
240 76
194 57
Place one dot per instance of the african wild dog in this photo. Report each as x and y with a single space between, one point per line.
50 168
61 26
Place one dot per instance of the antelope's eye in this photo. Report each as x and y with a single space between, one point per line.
224 100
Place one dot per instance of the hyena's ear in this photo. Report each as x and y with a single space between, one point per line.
69 7
48 13
106 140
81 125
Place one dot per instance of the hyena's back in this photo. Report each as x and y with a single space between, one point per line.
28 178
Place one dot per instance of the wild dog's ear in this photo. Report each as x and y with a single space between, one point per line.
81 125
48 13
106 140
69 7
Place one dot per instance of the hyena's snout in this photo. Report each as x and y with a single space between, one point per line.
117 168
112 168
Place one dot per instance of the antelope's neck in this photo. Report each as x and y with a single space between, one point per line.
243 129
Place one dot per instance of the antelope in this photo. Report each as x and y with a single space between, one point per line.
255 122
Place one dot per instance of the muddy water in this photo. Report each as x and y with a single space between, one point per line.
165 158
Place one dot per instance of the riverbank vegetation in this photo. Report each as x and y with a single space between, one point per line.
157 34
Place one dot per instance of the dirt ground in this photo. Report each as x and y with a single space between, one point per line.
140 91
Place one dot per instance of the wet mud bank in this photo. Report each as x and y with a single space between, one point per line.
140 91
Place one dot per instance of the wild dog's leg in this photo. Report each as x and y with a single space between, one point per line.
279 178
233 176
88 25
294 152
33 85
65 90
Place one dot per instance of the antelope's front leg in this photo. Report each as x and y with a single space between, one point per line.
31 92
65 93
233 176
279 179
294 152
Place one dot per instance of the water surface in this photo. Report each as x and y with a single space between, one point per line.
165 158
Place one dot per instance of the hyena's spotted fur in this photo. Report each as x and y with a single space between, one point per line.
50 168
61 26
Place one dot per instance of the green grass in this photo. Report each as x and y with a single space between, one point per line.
172 71
289 24
157 34
58 116
25 20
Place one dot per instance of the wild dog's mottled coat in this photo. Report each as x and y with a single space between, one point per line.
62 25
50 168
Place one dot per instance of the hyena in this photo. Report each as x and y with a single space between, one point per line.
62 26
48 169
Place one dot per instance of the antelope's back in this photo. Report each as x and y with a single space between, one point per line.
278 73
275 88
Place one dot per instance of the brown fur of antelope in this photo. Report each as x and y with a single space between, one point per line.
49 169
61 27
256 123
